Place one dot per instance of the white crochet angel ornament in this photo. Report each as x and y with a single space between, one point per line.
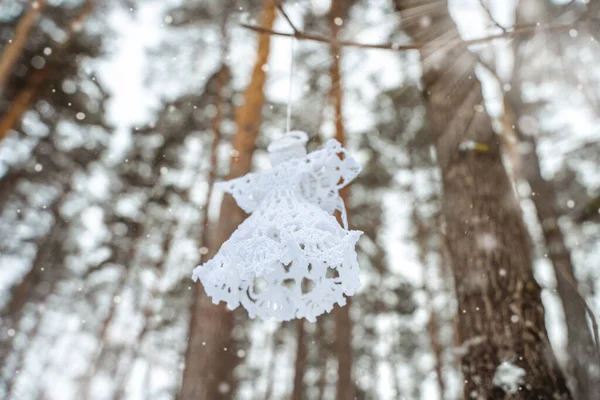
290 258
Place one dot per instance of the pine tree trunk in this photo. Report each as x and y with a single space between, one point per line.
300 365
46 268
583 358
13 50
580 343
343 324
28 95
209 360
500 313
322 356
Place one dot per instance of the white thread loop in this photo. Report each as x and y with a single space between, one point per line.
288 122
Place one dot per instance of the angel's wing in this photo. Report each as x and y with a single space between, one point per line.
334 165
329 170
248 190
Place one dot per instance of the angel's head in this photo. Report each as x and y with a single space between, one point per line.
289 146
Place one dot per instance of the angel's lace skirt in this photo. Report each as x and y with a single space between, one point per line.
289 259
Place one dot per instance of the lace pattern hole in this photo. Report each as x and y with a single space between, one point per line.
308 285
332 273
260 285
289 283
287 266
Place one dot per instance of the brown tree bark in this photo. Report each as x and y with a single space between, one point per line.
14 49
271 370
209 361
343 325
580 343
300 365
322 358
500 312
422 237
26 97
102 335
45 268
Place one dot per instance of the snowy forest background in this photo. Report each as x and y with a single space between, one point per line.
116 118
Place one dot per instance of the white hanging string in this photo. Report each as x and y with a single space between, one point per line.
288 122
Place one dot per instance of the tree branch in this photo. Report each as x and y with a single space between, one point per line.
490 16
287 18
507 34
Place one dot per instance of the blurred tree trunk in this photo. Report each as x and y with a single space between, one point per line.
423 238
500 312
322 355
209 360
580 343
14 48
300 365
25 99
343 325
28 95
49 252
46 268
276 344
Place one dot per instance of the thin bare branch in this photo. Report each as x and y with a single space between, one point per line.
287 18
514 31
323 39
485 7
